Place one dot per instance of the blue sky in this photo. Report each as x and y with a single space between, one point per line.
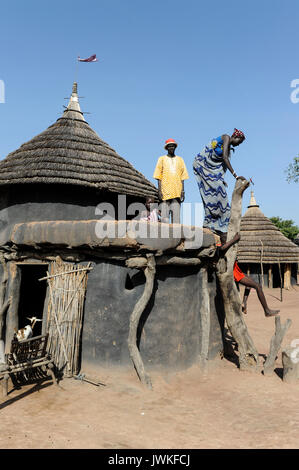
188 70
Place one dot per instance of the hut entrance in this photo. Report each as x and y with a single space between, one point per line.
67 286
32 295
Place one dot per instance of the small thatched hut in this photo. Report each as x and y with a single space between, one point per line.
264 252
84 276
80 169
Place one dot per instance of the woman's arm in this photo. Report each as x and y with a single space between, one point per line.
226 151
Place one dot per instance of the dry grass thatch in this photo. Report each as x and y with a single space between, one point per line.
70 152
262 241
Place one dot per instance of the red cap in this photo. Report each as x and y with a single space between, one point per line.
170 141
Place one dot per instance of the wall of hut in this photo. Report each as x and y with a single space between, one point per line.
171 331
37 202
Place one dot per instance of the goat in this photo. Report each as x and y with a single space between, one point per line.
27 331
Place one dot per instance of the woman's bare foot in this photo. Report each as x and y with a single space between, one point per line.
271 313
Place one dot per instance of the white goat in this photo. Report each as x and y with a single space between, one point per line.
27 331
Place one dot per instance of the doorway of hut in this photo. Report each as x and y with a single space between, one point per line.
32 295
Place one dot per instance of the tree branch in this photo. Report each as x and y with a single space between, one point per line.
248 355
149 272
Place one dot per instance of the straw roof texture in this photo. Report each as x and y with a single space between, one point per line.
262 241
70 152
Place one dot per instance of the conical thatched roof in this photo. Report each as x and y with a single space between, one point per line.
259 233
70 152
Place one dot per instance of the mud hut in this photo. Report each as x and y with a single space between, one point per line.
264 252
86 276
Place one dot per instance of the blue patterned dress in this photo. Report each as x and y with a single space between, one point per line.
209 170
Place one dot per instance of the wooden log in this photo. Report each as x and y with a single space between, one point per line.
12 321
205 321
141 262
275 344
290 363
149 272
248 355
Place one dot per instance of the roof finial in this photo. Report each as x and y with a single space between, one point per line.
252 202
73 110
75 88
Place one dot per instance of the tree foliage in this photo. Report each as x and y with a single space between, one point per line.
293 171
287 227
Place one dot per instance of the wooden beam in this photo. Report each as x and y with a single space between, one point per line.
141 262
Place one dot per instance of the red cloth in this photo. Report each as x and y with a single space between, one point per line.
238 133
238 274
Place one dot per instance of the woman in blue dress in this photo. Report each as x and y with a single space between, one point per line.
209 167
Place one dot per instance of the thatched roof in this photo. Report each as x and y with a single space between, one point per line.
70 152
259 233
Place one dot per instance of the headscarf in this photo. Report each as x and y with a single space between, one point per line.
238 133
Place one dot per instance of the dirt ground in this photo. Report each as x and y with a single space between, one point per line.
226 409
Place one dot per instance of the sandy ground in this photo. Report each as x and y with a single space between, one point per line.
226 409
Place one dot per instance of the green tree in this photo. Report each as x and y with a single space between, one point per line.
293 171
287 227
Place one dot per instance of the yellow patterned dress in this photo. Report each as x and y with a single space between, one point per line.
171 171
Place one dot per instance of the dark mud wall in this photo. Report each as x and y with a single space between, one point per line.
36 202
170 328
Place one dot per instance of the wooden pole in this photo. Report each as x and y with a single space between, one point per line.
275 344
12 321
279 267
149 272
205 320
262 269
65 272
287 276
270 277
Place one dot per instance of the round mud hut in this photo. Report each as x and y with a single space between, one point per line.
110 290
264 252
